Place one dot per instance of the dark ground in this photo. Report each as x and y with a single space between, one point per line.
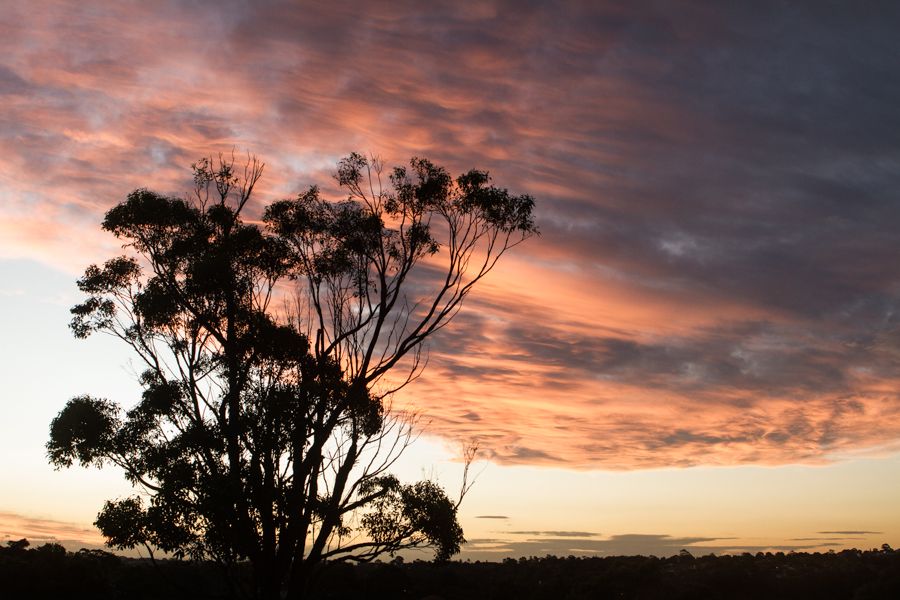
50 572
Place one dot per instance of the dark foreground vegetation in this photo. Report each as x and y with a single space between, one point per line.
50 572
264 437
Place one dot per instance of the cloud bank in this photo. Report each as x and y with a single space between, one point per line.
717 280
637 544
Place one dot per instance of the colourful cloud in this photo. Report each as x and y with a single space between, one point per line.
37 531
716 282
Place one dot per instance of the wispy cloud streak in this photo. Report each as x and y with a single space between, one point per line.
635 544
37 531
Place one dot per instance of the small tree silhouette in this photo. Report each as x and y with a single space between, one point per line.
18 545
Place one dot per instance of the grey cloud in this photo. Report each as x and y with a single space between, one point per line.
824 539
524 454
12 83
555 534
749 356
782 211
618 545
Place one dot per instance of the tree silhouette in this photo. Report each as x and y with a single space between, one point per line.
262 435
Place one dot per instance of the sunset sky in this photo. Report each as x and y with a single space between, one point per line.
702 349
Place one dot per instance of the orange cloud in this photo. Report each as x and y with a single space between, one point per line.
717 280
38 531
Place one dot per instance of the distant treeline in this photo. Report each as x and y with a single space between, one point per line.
50 572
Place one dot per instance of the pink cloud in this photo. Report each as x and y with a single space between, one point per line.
691 301
37 531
